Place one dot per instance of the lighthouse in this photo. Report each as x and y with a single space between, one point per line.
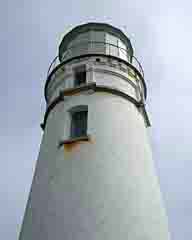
95 176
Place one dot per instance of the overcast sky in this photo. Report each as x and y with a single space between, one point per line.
161 34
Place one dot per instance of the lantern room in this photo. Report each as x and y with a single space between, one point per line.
95 38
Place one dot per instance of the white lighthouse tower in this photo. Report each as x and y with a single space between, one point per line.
95 178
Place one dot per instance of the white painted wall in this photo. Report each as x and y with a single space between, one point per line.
103 189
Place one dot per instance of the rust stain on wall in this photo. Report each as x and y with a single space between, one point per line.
75 146
71 146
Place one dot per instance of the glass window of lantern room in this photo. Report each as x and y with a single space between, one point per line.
122 50
97 44
111 44
79 45
79 123
79 75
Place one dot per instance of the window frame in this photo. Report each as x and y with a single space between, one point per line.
78 70
83 132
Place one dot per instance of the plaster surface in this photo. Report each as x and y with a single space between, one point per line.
105 188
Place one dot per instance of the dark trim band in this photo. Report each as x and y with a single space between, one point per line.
94 55
95 88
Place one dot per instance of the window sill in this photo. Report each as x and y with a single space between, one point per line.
72 140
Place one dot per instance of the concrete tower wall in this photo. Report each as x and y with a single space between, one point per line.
101 189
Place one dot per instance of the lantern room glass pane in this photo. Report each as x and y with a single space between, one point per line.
97 42
78 46
122 50
111 45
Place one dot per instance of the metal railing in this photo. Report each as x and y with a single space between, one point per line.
96 47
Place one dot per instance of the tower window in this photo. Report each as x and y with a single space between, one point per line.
79 121
80 75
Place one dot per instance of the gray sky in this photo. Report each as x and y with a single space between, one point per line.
161 34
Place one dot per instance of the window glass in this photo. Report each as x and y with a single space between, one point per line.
122 50
97 36
79 124
78 46
79 75
111 39
82 37
97 44
111 45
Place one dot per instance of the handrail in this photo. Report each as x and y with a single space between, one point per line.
52 65
139 64
131 59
